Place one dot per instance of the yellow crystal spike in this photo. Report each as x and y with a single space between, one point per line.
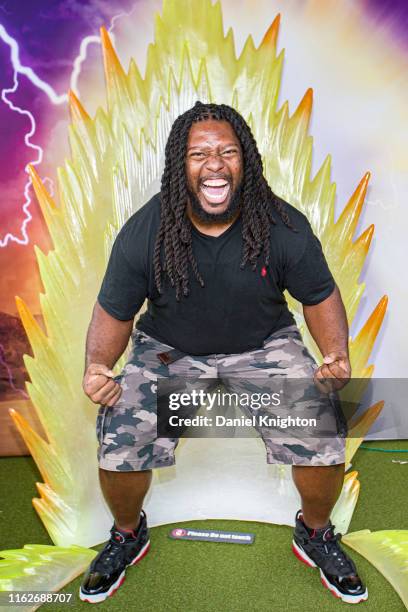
115 166
388 552
41 568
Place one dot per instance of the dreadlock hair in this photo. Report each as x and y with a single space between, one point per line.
257 200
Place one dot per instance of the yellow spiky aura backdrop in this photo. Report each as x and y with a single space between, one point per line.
115 166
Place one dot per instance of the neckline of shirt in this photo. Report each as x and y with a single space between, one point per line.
224 233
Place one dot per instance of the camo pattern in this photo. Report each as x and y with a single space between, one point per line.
127 431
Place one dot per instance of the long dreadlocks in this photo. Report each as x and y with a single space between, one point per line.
257 200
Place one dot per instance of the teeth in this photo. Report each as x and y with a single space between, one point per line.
218 196
215 183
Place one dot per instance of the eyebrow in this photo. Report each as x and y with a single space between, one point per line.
229 144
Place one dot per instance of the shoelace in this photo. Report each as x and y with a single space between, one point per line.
340 561
110 555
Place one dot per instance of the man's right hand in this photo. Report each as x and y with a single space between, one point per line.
99 386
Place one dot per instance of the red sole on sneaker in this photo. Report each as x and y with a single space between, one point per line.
95 601
119 585
329 589
138 558
304 559
142 554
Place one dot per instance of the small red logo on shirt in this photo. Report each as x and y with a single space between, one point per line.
263 271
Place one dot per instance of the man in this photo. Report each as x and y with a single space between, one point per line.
212 253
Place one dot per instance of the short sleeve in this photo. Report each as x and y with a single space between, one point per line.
309 280
124 286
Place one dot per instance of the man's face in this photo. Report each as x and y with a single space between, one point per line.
214 169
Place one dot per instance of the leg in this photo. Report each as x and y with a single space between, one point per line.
314 541
124 493
317 462
129 541
319 488
129 448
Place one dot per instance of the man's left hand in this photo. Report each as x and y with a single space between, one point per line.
334 373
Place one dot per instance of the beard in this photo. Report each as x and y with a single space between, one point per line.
209 218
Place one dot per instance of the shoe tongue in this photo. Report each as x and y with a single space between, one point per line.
122 535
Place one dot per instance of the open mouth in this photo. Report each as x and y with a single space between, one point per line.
215 191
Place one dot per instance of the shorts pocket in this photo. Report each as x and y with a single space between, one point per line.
341 421
102 422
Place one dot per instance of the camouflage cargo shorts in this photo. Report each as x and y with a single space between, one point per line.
127 432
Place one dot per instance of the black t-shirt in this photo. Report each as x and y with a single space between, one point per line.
236 309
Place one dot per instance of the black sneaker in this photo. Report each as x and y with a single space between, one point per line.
107 571
321 549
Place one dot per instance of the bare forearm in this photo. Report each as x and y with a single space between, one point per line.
107 338
327 323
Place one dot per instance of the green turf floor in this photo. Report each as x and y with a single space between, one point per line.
183 576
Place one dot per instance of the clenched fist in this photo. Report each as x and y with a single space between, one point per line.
334 373
99 386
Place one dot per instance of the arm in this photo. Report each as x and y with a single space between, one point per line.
106 340
327 323
122 293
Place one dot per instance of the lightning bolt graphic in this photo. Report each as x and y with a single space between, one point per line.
54 98
9 373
